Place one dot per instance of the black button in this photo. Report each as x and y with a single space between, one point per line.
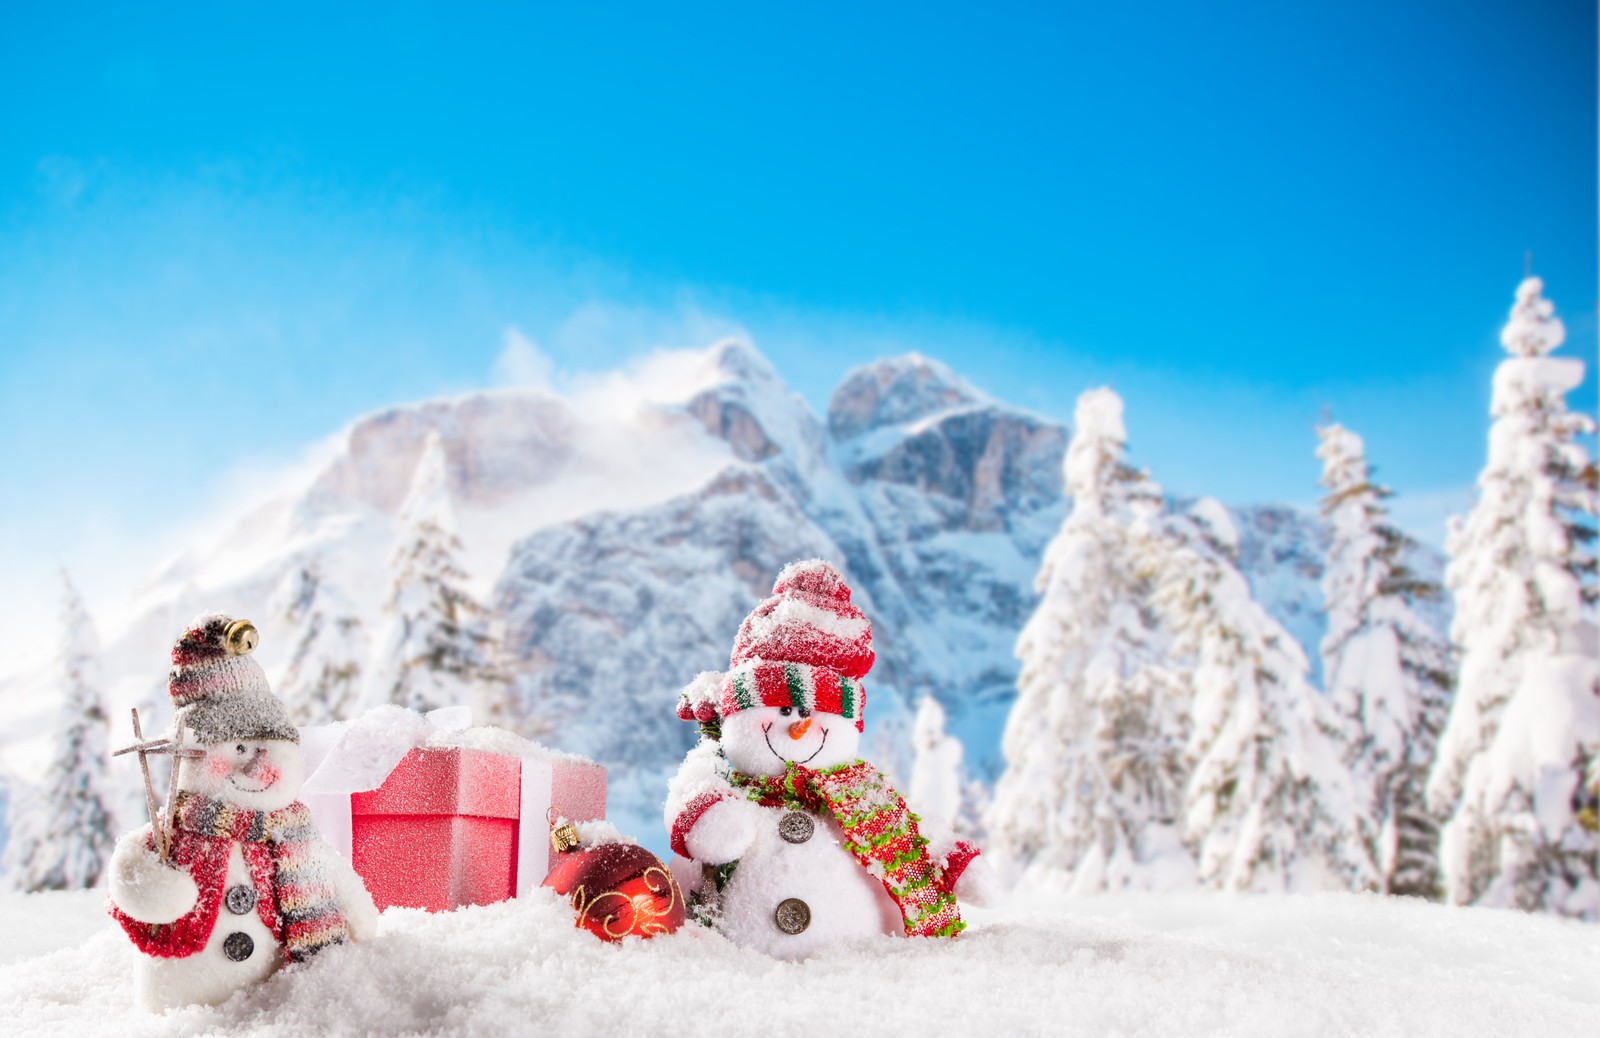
792 915
796 827
238 947
241 899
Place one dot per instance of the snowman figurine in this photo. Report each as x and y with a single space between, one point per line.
247 884
801 844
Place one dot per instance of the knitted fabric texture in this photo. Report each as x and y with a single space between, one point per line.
807 689
879 830
239 715
807 646
294 897
202 667
809 619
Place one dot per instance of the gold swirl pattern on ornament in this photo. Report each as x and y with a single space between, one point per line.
643 905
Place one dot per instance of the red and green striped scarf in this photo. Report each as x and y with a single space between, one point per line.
879 829
298 902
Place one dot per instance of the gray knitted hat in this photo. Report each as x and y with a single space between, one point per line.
220 692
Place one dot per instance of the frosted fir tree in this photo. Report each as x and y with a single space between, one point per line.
61 831
936 767
438 648
1526 719
322 681
1093 773
1267 805
1388 673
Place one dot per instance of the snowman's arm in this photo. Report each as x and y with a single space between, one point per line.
707 818
964 873
700 771
715 829
144 887
360 912
978 883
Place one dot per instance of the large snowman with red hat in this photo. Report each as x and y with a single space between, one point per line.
237 882
799 843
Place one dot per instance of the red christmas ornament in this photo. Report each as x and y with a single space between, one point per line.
617 889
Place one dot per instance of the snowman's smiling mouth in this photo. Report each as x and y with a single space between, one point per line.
766 733
233 780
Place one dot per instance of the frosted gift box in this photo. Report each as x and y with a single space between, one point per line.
437 815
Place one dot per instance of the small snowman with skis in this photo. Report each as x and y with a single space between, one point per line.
801 844
231 880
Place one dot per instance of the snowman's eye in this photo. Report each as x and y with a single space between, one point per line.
785 711
239 749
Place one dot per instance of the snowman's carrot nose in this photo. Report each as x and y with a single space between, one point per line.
799 728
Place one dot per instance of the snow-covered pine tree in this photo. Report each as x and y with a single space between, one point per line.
1092 745
936 765
1388 673
976 796
438 648
1267 805
1522 731
322 680
61 831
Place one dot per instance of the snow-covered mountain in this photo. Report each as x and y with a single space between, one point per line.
623 532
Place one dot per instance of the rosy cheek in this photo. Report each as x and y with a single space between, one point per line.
220 767
268 775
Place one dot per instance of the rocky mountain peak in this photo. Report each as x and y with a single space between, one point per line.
742 362
895 391
497 444
751 408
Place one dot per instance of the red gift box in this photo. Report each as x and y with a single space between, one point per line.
443 830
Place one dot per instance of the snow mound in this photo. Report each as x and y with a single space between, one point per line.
1150 965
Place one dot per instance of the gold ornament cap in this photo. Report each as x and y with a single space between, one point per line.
563 837
240 638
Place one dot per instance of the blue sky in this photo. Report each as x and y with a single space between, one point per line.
226 230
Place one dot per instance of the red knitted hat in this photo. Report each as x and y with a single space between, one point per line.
808 646
809 619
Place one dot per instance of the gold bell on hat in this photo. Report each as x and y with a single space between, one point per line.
240 638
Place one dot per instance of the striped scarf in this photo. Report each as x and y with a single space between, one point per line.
295 897
879 829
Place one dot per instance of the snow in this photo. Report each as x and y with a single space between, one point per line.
935 790
1218 523
357 755
1521 572
1091 743
792 616
58 833
1098 435
1386 669
1158 965
1521 379
897 392
1532 329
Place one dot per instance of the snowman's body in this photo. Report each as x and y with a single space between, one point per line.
241 951
796 887
805 863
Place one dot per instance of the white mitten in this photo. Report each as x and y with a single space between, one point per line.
147 888
724 832
360 913
979 884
